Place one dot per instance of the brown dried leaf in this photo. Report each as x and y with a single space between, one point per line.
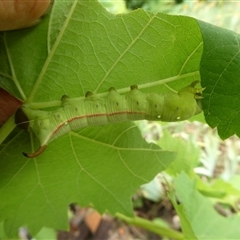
8 105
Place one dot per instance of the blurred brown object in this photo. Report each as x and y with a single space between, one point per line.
8 105
17 14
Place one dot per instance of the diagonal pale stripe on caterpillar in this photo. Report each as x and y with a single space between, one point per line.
94 110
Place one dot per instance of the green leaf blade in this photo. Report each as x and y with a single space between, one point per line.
220 73
100 172
91 50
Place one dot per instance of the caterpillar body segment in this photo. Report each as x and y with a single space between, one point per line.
94 110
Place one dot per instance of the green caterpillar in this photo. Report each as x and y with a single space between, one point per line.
93 110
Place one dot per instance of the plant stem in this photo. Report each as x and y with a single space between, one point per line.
7 128
151 226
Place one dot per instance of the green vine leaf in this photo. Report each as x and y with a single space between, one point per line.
88 49
96 170
220 74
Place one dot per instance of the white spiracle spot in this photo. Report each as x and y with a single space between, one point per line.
159 116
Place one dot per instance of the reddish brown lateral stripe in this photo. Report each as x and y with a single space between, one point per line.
58 127
103 114
92 115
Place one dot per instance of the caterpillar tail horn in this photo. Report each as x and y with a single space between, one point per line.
35 154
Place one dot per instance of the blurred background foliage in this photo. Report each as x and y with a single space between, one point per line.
222 13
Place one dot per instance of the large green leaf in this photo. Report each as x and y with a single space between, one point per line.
85 167
88 48
220 75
